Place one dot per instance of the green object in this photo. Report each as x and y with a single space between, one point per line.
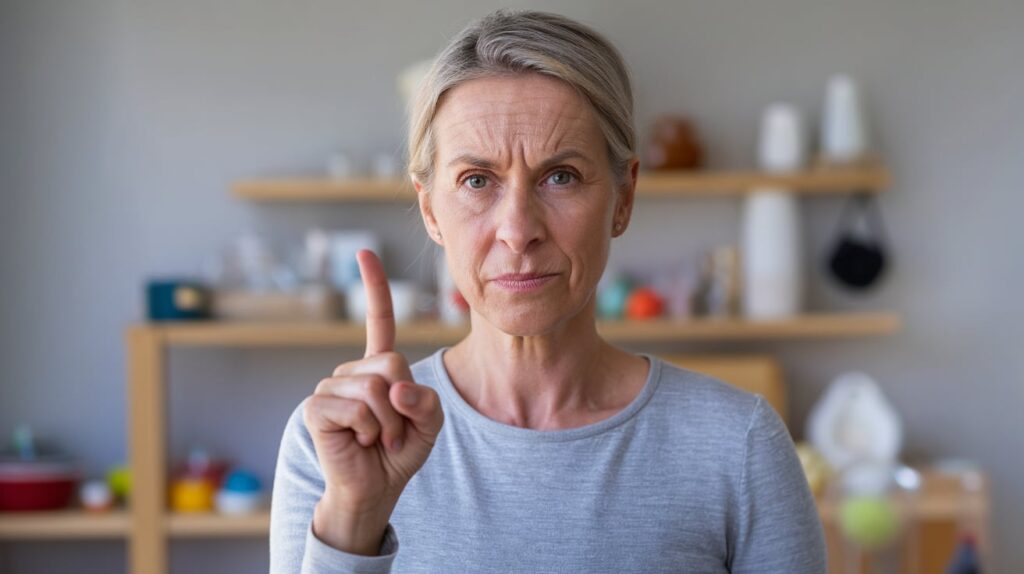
611 301
120 480
23 442
869 521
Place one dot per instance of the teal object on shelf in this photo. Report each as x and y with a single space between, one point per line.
177 299
611 301
242 481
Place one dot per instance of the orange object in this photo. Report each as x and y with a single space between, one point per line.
192 495
644 303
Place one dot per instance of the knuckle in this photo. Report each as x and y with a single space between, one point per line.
362 411
310 408
375 386
342 368
322 386
393 361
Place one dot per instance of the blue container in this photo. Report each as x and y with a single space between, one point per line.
176 299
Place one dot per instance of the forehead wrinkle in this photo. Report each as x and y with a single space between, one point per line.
493 127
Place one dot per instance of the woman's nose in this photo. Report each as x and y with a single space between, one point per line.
520 222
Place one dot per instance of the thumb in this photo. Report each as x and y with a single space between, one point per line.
421 405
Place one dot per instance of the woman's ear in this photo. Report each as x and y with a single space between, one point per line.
427 212
624 200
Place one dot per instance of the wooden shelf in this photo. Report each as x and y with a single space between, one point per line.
209 524
339 333
823 180
63 524
937 502
310 189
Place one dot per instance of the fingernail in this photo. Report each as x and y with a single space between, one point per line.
410 398
396 445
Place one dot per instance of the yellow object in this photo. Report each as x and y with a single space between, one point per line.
192 495
869 521
816 468
119 478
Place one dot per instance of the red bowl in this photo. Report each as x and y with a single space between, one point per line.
36 485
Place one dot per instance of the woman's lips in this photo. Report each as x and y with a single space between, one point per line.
522 282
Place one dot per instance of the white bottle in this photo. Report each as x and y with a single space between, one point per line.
772 242
772 255
843 131
448 310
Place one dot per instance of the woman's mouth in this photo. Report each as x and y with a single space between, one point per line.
523 282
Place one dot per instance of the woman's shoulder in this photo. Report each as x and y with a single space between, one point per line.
425 370
696 399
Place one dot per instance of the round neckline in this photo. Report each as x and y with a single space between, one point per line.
478 419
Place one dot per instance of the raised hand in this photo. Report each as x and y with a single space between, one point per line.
372 426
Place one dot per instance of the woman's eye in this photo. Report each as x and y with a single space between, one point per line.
476 181
561 178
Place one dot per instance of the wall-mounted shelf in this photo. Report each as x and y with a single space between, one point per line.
70 524
939 500
337 333
209 524
815 181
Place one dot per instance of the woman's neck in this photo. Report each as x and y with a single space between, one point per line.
566 378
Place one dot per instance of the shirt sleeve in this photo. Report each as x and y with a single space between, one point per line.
777 525
298 486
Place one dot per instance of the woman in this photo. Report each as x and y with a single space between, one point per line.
532 445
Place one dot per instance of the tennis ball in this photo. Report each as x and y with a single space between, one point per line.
120 480
869 521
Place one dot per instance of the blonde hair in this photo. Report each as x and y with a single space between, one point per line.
515 42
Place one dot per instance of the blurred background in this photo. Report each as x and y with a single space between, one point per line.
126 127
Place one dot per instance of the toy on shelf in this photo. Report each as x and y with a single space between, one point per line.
96 496
191 494
33 477
240 494
611 299
195 482
119 479
673 144
644 303
816 468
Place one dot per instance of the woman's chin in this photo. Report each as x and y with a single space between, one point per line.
528 322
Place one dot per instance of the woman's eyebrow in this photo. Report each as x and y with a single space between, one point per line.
482 163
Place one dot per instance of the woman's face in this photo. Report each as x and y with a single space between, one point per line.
524 199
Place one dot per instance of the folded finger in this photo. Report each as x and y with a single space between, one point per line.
373 390
325 414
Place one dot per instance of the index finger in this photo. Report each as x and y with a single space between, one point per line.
380 316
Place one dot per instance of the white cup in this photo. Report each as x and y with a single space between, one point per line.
782 139
843 130
403 301
341 165
385 166
342 249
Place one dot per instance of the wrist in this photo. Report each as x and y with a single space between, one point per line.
359 533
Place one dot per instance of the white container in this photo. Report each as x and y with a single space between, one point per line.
448 309
238 503
843 130
403 301
772 255
344 268
782 145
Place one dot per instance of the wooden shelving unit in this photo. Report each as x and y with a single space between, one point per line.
339 333
208 525
149 525
71 524
934 518
871 178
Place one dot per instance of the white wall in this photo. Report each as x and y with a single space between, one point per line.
122 124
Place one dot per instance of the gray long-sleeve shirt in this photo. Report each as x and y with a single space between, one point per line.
692 476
